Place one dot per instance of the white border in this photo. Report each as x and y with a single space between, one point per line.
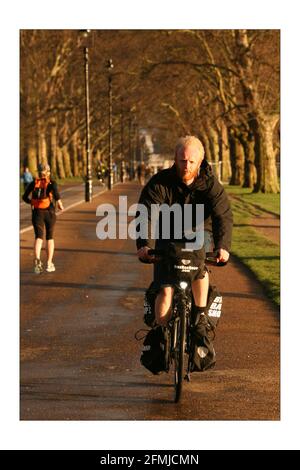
167 435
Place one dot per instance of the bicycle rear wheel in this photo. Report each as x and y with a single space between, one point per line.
179 342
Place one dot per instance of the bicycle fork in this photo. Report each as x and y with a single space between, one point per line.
187 347
188 351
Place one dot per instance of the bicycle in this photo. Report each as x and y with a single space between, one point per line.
180 347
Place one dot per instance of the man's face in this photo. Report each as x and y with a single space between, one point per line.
188 161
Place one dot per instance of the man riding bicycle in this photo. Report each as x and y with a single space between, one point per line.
189 181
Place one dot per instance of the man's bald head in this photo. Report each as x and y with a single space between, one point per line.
189 154
188 141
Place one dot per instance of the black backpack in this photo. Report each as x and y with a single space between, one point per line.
155 350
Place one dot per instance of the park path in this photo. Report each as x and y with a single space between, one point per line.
268 225
79 358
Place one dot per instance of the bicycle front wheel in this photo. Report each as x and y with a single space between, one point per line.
179 342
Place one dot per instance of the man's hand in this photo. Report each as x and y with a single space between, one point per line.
143 254
222 255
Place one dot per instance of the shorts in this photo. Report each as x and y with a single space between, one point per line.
43 218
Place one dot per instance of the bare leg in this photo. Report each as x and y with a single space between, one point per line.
38 242
163 304
200 291
50 250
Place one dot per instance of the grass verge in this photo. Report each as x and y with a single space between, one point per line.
269 202
73 180
255 251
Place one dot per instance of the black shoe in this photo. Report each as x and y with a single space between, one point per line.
201 326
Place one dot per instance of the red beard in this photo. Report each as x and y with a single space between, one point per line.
187 175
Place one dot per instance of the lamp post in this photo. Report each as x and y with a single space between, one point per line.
110 66
85 33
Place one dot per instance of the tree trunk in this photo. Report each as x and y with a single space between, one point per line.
214 150
248 142
74 145
23 150
237 160
42 144
269 182
32 159
205 141
258 157
267 177
74 150
224 153
60 164
67 161
66 155
53 146
213 144
262 125
83 156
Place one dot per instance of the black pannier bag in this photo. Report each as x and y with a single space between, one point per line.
149 305
155 350
214 305
203 355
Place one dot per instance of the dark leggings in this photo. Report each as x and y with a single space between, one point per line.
43 218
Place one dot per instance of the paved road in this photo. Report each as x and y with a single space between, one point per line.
79 358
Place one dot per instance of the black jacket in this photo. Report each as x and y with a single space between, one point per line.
166 187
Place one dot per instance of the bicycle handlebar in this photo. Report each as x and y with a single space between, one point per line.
210 258
157 253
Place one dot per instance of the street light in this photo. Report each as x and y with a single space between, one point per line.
85 35
110 66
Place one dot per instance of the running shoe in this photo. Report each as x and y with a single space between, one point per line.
38 266
50 268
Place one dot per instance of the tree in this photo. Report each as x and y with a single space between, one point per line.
221 85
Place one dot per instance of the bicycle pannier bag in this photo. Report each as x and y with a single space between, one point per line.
155 350
203 354
214 306
149 305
